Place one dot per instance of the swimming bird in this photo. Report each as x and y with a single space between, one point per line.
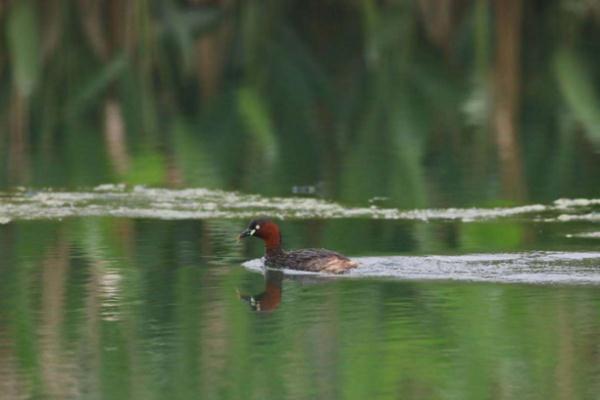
314 260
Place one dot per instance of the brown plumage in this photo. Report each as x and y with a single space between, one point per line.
314 260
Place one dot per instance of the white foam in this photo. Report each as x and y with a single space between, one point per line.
531 267
202 203
567 203
591 217
584 235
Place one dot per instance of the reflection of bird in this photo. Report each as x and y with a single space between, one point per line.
269 299
315 260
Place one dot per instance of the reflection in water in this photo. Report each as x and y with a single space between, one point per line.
150 311
270 298
115 137
18 154
58 382
508 96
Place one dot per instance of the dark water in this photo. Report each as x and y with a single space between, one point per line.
451 147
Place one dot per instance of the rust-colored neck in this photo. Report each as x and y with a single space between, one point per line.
272 237
273 243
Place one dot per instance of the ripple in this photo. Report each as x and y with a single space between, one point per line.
530 267
584 235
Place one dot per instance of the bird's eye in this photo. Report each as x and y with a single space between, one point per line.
257 227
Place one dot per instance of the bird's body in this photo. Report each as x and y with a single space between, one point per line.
314 260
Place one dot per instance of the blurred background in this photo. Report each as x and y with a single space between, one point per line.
445 102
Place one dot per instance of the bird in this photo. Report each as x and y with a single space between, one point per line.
313 260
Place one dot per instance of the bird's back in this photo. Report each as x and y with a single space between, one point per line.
314 260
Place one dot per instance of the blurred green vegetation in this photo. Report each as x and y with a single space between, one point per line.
426 104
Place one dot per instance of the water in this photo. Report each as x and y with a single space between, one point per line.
160 203
532 267
137 293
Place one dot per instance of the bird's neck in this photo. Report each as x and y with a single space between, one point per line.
273 248
272 241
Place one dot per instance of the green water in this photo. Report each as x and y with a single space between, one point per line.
450 147
148 309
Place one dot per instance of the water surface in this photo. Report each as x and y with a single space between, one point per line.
138 293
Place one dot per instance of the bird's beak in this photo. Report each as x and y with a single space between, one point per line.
245 234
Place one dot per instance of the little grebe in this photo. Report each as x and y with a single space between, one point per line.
314 260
